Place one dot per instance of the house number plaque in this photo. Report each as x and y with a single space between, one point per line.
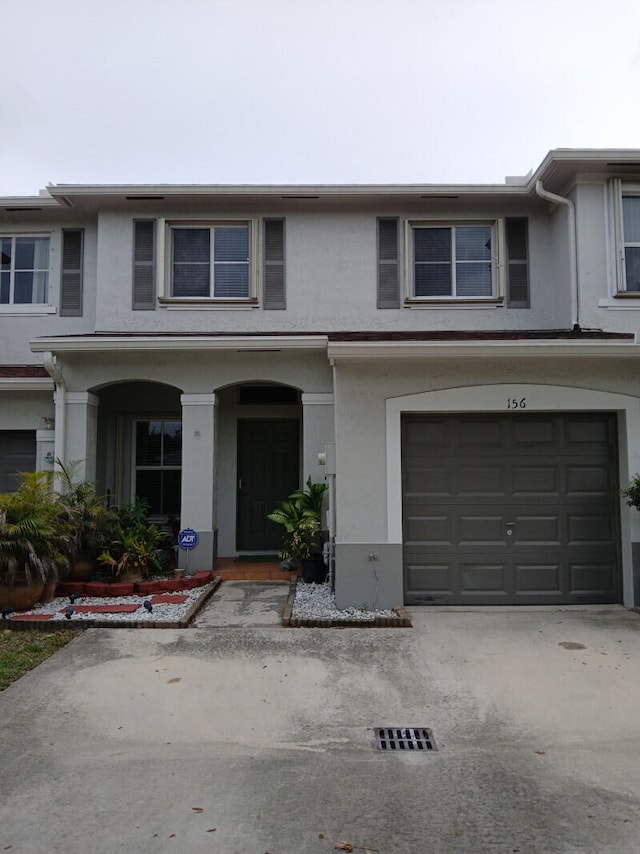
516 403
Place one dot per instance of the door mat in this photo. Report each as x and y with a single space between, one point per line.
273 558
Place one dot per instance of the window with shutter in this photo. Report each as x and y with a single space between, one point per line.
72 269
453 261
211 262
388 264
144 239
517 263
24 269
274 296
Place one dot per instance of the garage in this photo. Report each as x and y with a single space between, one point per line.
512 508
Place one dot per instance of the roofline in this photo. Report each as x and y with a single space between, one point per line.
26 384
519 187
64 191
110 343
620 156
354 351
342 350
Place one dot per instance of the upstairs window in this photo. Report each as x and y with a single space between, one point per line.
631 243
212 262
24 270
453 261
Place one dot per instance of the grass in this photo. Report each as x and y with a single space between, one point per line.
22 651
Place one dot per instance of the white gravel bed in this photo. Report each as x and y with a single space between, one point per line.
318 602
161 612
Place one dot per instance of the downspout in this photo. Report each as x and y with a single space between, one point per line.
573 251
52 367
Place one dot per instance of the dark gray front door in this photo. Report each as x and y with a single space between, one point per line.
268 470
518 509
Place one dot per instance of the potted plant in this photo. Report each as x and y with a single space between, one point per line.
35 539
299 515
134 550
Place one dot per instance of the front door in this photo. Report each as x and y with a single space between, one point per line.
268 470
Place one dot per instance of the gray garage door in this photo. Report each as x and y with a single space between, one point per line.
519 509
17 453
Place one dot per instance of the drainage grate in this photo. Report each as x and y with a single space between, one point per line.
404 738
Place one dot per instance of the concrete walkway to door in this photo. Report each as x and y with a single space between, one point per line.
252 739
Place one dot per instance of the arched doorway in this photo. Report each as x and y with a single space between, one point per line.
260 448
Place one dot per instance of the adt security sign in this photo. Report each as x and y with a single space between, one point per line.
187 539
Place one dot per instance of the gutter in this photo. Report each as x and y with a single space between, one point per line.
573 250
52 367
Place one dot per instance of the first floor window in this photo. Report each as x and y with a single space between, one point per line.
453 261
631 232
211 262
158 465
24 270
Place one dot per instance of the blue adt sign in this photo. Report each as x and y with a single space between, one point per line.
187 539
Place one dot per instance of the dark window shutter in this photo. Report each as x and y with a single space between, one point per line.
71 279
274 296
517 264
144 272
388 266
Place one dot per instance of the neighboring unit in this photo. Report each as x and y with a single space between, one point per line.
466 355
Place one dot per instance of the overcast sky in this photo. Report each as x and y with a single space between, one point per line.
309 91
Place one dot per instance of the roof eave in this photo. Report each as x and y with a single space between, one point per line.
138 343
353 351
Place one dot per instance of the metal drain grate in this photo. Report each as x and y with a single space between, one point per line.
404 738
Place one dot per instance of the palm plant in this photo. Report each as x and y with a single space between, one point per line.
35 535
92 522
299 515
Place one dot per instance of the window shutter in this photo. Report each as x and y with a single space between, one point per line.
144 234
71 278
274 296
517 264
388 266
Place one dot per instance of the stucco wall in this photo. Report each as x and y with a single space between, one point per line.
362 391
331 279
24 410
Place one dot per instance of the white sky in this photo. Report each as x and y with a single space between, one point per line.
306 91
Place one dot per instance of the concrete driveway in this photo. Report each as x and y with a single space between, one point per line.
258 739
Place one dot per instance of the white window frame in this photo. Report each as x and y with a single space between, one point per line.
622 190
27 307
165 261
498 244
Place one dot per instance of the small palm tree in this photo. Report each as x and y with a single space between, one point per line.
299 515
35 535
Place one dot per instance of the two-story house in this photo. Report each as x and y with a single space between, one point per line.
465 355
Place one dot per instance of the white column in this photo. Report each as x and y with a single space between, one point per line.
81 426
198 464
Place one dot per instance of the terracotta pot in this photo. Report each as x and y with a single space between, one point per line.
20 597
82 569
